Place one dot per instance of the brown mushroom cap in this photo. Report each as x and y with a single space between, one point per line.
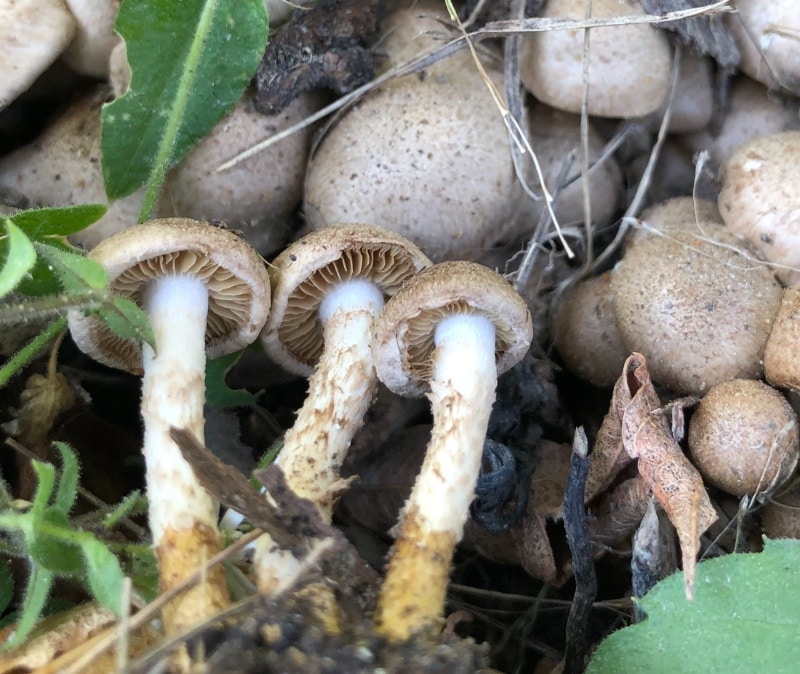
759 199
781 364
629 65
585 332
305 271
743 437
404 336
697 309
679 213
237 281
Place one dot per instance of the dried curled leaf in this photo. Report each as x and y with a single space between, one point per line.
674 481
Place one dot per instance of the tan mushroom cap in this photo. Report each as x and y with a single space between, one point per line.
759 199
305 271
34 33
404 336
629 65
237 280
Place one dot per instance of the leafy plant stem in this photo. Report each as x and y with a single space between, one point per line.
29 351
38 589
171 130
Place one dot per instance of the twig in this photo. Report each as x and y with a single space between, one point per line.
580 546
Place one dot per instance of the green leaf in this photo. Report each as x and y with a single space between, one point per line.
20 257
37 590
67 490
42 279
133 504
76 272
126 320
744 619
104 574
218 393
190 63
46 480
52 544
6 585
43 222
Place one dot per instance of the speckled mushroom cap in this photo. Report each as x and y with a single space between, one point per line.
303 273
759 199
404 335
237 280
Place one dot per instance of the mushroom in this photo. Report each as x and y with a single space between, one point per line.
328 290
435 165
629 65
62 167
89 53
34 33
780 517
676 214
752 112
257 195
585 331
447 334
692 104
699 307
743 437
781 365
205 291
758 199
766 32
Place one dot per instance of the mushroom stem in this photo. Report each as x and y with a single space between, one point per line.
339 393
182 514
462 393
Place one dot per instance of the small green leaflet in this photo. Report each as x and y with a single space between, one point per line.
190 62
744 619
76 272
39 223
19 259
126 320
104 574
218 393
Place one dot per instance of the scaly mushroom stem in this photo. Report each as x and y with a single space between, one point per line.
339 393
432 523
183 515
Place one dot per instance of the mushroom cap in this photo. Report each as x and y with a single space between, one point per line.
697 308
34 34
257 195
405 331
781 365
758 199
743 437
303 273
690 214
629 65
237 280
89 53
585 331
435 165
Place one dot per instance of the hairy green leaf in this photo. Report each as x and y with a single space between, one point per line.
52 544
190 63
67 490
36 592
38 223
126 320
104 574
19 257
76 272
743 619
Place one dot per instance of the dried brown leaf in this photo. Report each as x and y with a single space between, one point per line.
674 481
608 455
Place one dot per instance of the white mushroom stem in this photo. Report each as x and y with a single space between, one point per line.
462 392
182 514
339 393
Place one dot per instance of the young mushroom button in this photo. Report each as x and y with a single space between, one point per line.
328 290
205 291
447 334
